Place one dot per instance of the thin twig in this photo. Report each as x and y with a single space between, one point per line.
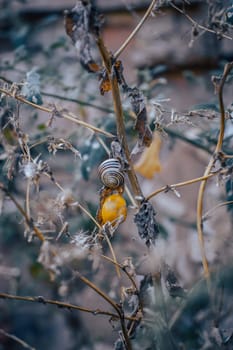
124 270
98 291
79 102
113 255
27 201
89 215
69 116
194 23
28 220
182 137
103 144
218 148
135 31
113 304
180 184
17 340
79 205
140 304
61 304
212 210
68 99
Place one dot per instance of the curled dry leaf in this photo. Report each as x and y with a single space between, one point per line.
149 162
55 144
81 23
105 84
141 125
146 223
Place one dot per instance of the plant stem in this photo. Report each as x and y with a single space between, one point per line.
69 116
123 269
79 102
27 204
28 220
195 24
17 340
113 304
180 184
182 137
69 99
89 215
135 31
98 291
113 255
122 135
218 148
209 212
61 304
119 116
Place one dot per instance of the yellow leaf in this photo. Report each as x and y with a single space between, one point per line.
149 162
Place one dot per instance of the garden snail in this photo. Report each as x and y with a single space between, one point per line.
110 173
112 204
113 209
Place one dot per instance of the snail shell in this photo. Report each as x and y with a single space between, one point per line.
110 173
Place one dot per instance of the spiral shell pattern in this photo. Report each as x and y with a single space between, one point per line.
110 173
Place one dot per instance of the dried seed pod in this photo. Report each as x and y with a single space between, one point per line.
110 173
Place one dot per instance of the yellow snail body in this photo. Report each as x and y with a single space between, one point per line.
113 209
110 173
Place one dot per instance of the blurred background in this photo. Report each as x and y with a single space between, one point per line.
172 60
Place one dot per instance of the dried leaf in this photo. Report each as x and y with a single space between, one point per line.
81 23
146 224
149 162
139 108
105 85
55 144
118 70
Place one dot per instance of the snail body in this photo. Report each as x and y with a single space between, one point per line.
113 209
110 173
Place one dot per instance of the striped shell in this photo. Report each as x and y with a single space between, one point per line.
110 173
